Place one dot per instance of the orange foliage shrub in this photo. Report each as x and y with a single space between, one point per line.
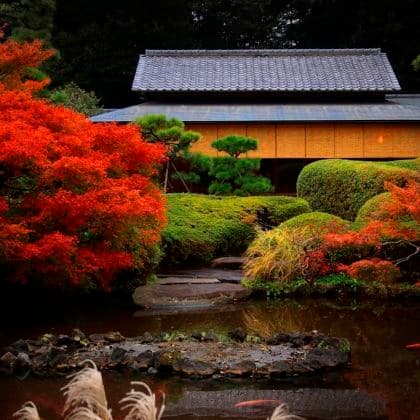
77 204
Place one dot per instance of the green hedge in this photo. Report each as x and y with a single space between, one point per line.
341 187
413 164
202 227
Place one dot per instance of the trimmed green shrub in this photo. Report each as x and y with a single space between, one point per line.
317 222
413 164
234 175
372 210
341 187
202 227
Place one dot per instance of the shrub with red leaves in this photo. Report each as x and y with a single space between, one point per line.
365 254
77 205
371 270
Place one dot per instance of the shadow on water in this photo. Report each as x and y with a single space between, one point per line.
381 366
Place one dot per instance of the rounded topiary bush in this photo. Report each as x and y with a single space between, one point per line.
341 187
374 209
318 222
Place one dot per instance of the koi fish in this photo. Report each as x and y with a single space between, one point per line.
415 346
254 403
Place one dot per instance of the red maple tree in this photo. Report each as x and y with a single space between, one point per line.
77 204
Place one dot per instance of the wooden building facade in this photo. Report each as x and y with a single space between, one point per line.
298 104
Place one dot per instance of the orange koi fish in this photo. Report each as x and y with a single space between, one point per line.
415 346
254 403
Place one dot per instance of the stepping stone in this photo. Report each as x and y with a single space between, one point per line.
228 262
186 280
224 276
158 295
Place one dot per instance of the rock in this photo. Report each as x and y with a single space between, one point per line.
243 368
51 356
23 360
118 355
325 358
197 335
193 368
20 346
144 360
147 338
78 334
7 363
64 340
297 339
47 338
210 336
279 368
97 338
278 338
231 263
165 359
114 337
152 371
23 365
238 334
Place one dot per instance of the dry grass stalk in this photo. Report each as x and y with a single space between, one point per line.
282 413
277 254
27 412
85 393
142 405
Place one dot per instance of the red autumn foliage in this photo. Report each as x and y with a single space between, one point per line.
360 254
370 270
314 265
16 58
77 204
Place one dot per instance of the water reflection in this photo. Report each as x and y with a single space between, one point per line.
381 365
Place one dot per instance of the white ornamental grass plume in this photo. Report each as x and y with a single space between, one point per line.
85 395
142 405
27 412
282 413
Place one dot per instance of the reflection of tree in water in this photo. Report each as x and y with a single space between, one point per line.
257 320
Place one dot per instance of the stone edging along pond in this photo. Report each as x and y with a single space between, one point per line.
201 355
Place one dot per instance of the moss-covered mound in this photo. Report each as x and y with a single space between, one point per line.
373 208
317 221
341 187
201 227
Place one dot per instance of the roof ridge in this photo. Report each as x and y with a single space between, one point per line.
265 52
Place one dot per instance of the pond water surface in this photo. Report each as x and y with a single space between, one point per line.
378 332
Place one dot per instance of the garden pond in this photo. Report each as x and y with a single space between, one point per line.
383 380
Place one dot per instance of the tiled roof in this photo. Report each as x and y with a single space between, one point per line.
289 70
267 112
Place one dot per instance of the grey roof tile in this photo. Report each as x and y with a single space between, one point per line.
208 113
265 71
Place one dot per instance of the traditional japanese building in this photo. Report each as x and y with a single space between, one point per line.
299 104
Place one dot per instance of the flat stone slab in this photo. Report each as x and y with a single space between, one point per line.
170 294
186 280
308 402
201 355
224 276
228 262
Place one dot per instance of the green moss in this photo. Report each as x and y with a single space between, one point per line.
202 227
319 221
341 187
372 210
413 164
